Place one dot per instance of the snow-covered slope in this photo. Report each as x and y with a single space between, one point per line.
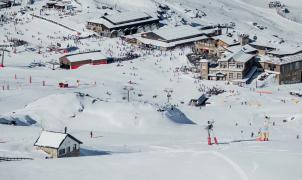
136 140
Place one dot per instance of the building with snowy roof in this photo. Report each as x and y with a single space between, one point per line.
74 61
285 51
59 5
171 37
124 23
236 67
226 40
58 144
216 45
287 69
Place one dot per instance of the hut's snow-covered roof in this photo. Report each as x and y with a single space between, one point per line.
86 56
52 139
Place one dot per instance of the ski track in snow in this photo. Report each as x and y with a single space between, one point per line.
236 167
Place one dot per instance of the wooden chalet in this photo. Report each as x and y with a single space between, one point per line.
288 69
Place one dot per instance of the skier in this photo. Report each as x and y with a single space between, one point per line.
65 129
252 134
91 135
209 129
259 132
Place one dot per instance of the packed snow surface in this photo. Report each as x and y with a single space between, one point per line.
144 138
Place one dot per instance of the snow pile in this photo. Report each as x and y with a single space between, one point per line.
81 111
49 112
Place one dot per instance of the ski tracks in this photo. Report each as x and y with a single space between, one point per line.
236 167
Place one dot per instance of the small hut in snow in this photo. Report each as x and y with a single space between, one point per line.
58 144
74 61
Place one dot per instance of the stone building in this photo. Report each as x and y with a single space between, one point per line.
237 67
58 145
288 69
215 46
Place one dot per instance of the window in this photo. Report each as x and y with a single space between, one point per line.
239 76
74 147
297 65
223 65
231 75
239 66
232 62
68 149
61 151
272 67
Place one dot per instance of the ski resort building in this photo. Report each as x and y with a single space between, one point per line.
59 5
74 61
58 145
288 69
215 46
170 37
237 67
124 23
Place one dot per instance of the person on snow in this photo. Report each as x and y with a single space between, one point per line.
252 134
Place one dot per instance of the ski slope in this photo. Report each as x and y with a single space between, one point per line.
135 140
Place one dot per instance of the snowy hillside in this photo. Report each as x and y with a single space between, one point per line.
134 117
